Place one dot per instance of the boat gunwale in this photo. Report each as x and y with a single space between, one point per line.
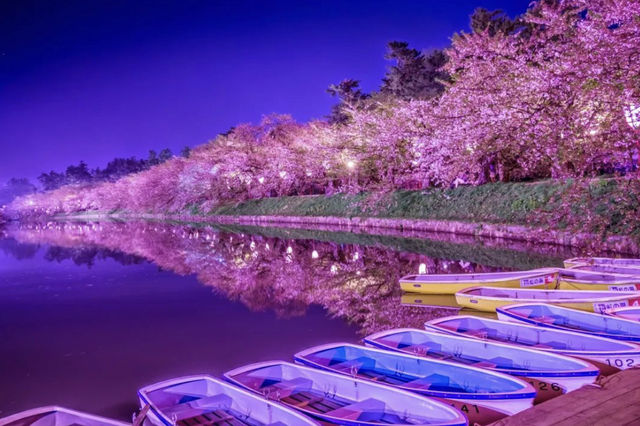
635 349
56 408
526 392
587 370
512 275
263 364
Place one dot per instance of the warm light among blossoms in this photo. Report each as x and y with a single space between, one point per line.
632 114
422 269
314 254
351 164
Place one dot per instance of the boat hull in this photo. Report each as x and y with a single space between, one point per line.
491 397
560 318
430 285
54 415
346 400
197 399
620 356
549 376
488 303
580 261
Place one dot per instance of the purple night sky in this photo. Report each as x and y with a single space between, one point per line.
93 80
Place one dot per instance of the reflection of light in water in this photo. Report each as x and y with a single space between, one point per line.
422 269
314 254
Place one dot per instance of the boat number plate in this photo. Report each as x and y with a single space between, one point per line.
530 282
628 287
607 306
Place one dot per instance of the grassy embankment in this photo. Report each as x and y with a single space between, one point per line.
600 206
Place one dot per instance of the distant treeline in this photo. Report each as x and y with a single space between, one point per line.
114 170
80 173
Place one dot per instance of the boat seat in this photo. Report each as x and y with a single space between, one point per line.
355 364
287 387
546 319
485 364
483 334
355 410
212 418
196 406
313 402
421 383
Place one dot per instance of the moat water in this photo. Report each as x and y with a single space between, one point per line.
90 312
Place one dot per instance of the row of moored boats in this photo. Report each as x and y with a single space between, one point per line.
457 370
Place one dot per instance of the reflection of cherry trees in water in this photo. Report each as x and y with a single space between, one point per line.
358 283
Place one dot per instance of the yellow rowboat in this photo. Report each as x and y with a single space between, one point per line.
488 299
429 300
452 283
613 261
440 301
577 279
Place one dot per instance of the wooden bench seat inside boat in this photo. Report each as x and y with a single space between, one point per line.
202 405
285 388
355 410
212 418
313 401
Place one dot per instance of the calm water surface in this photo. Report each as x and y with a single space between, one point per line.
90 312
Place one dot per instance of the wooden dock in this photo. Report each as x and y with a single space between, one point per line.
615 400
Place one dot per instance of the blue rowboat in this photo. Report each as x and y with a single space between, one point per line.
629 312
205 400
339 399
608 354
550 374
544 315
52 415
484 396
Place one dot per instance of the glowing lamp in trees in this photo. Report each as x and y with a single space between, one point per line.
632 114
351 164
422 269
